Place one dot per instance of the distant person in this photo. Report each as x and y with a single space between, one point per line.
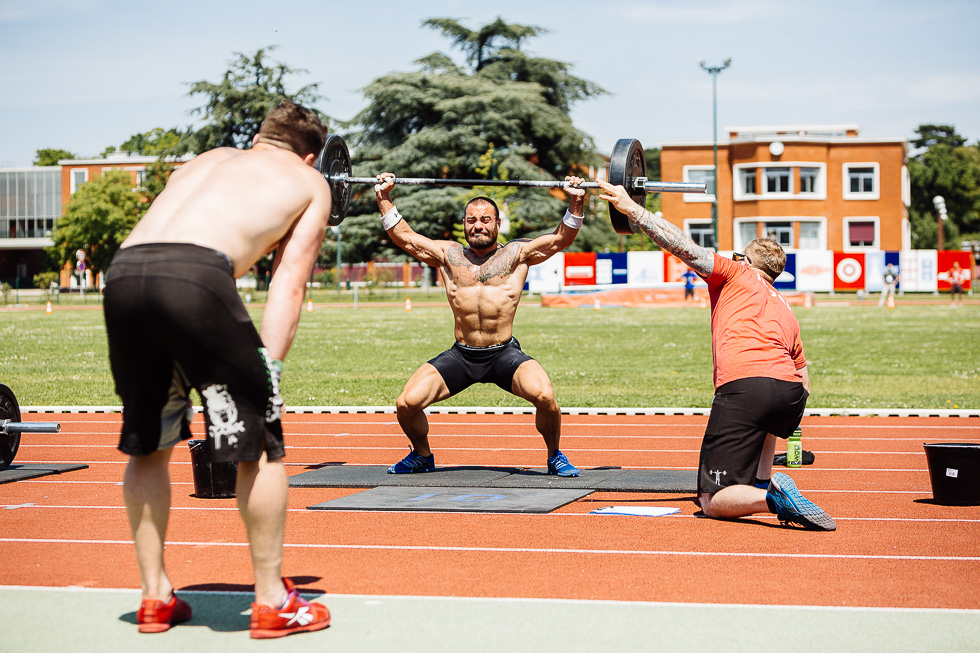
483 283
175 321
689 278
955 276
890 278
760 374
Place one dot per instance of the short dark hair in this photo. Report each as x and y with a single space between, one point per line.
485 200
295 128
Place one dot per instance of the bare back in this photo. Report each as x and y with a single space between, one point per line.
239 202
483 291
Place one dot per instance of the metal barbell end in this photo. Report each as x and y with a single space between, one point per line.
10 427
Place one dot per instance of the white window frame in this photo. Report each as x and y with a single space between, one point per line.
792 232
846 233
764 186
698 197
688 222
72 184
821 221
739 193
875 182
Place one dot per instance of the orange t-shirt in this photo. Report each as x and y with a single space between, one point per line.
753 329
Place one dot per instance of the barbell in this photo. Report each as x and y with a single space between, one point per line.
627 168
11 427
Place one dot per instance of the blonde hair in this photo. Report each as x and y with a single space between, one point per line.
767 256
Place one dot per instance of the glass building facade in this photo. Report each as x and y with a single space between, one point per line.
30 202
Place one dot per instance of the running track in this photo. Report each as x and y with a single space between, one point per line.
894 548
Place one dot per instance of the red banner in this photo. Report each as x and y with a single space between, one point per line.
580 268
945 260
848 270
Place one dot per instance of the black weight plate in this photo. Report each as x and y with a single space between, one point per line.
626 164
9 410
334 161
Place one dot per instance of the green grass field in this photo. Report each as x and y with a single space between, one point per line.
916 356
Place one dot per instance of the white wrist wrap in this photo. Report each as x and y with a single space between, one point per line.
573 221
391 218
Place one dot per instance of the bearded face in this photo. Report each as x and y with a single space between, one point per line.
481 225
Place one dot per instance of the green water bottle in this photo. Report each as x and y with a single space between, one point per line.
794 449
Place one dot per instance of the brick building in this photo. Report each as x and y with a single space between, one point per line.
808 187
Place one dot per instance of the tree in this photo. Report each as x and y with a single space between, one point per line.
951 169
156 142
50 157
439 120
97 219
236 106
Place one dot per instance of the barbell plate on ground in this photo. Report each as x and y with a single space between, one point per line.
627 164
334 164
9 410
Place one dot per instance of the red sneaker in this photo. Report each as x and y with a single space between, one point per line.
298 616
155 616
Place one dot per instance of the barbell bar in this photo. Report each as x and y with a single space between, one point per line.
627 168
11 427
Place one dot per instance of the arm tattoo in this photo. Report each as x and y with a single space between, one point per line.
675 241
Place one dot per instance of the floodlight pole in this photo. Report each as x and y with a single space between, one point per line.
713 71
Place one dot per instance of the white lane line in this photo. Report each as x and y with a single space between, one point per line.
519 599
525 550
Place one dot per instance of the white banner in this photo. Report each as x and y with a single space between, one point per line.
547 276
645 268
814 270
918 270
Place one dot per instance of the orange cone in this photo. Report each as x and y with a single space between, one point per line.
408 304
309 306
891 301
48 309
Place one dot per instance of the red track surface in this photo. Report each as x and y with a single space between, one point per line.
893 546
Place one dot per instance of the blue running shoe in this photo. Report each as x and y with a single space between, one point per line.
790 506
558 464
413 463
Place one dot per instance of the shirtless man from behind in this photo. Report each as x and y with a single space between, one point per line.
175 321
483 284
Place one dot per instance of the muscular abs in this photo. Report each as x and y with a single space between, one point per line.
484 292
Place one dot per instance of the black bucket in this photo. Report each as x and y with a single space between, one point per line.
212 480
954 469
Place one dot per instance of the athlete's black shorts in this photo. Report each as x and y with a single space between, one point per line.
461 366
175 321
742 413
688 292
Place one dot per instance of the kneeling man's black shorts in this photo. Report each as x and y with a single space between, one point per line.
743 412
175 321
461 366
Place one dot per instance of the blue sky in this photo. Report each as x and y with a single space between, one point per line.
82 74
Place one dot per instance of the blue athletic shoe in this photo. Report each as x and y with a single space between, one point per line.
790 506
413 463
558 464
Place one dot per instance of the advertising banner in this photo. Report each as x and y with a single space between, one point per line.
645 268
849 271
580 268
814 270
787 280
547 276
610 267
946 270
918 272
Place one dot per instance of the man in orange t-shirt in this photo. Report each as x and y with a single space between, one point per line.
760 375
